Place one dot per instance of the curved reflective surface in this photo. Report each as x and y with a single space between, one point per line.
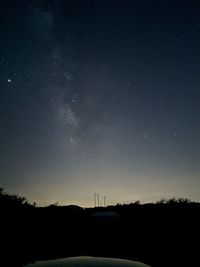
88 262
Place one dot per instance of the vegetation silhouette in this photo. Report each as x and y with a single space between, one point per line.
160 234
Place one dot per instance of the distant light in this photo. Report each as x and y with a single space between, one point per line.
9 80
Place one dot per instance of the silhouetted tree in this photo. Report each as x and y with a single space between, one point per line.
11 200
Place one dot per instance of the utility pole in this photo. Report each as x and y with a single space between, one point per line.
97 200
104 201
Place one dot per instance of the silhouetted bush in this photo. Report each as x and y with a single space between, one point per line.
12 200
174 200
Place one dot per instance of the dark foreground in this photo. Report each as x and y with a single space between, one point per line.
160 235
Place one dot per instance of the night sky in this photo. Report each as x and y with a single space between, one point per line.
100 96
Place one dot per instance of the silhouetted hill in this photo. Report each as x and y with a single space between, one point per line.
160 234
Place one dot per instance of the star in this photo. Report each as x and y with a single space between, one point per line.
71 141
9 80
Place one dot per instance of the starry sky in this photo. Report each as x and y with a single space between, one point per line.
100 96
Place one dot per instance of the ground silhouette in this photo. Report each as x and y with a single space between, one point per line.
160 234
